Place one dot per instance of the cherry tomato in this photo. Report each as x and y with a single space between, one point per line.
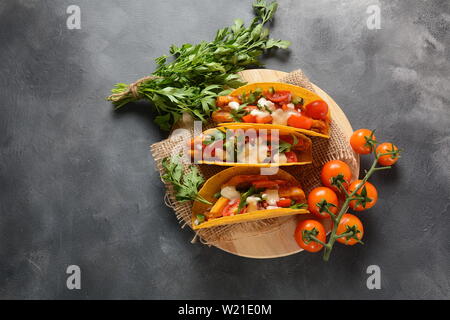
317 195
300 121
387 160
317 110
285 203
279 96
308 225
350 221
249 118
371 193
291 156
360 141
334 168
230 208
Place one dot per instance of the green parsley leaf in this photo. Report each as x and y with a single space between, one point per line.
186 185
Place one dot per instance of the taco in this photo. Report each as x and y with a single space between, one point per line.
276 105
238 145
241 194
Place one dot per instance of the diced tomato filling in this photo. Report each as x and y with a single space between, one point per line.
279 96
266 119
231 208
291 156
249 118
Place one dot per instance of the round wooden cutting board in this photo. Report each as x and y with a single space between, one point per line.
279 241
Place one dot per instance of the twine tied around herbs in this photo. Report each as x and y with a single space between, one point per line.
131 90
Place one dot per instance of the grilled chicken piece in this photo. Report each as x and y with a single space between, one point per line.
221 116
319 126
244 179
295 193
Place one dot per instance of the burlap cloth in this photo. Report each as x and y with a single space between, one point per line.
337 147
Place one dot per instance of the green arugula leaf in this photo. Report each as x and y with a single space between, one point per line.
286 146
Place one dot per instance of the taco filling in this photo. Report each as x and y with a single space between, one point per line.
271 106
260 146
244 194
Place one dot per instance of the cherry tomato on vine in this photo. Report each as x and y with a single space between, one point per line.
362 141
370 193
313 227
387 160
317 110
317 196
348 223
333 169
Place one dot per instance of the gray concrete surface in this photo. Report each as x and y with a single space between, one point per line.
77 184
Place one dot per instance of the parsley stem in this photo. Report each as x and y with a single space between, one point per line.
199 198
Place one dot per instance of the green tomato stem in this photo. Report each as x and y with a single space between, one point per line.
313 238
341 186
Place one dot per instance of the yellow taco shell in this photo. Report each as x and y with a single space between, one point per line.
214 185
307 96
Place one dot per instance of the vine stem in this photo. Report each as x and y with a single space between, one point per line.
349 197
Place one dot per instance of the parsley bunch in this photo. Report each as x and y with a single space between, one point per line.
198 73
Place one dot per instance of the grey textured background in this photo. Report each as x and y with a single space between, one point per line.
77 184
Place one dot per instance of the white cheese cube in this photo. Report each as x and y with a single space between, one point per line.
234 105
230 192
272 197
